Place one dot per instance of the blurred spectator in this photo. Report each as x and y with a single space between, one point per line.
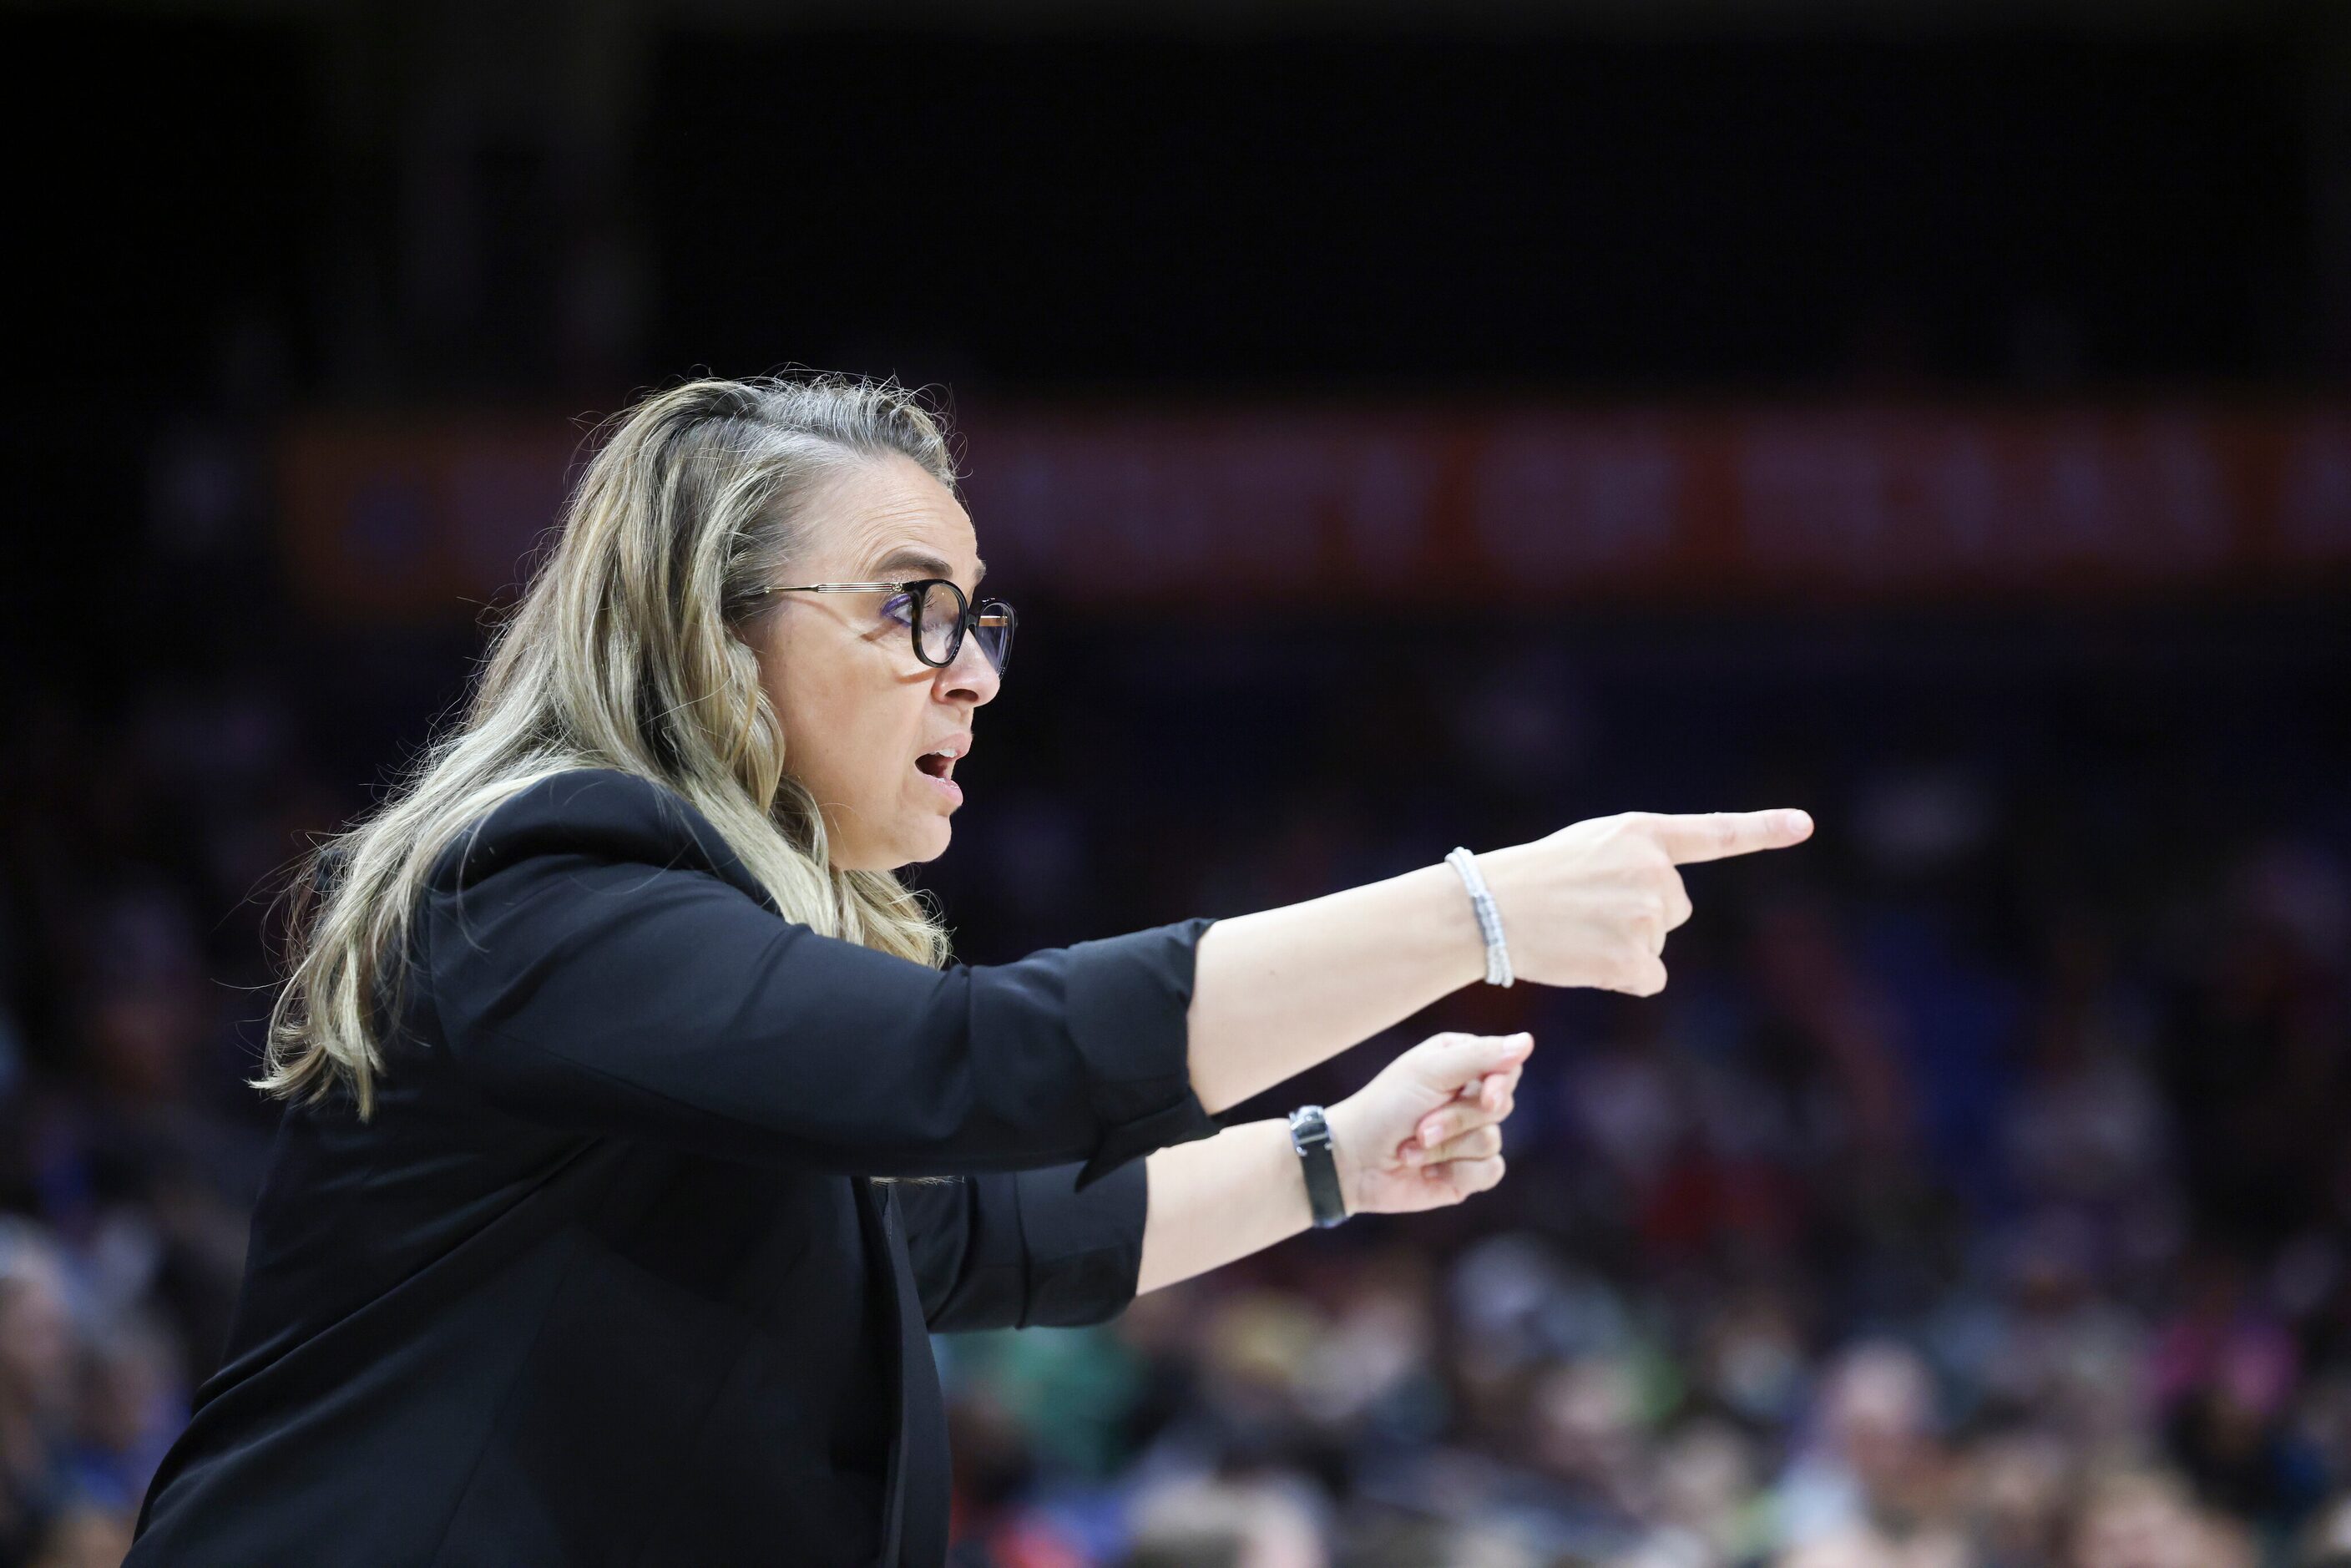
2149 1520
1225 1525
1878 1464
37 1361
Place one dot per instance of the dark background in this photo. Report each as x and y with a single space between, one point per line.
1975 1196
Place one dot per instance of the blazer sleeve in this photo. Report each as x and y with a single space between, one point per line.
1027 1249
584 990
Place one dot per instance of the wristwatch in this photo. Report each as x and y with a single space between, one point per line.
1309 1134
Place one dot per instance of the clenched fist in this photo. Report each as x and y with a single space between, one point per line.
1427 1131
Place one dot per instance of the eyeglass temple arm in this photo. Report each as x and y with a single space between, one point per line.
981 617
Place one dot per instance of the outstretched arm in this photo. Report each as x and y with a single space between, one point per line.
588 966
1424 1133
1276 992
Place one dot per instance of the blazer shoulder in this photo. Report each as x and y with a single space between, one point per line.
598 811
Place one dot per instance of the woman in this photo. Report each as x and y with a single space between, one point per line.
568 1252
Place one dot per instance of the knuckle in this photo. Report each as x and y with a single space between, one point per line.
1641 974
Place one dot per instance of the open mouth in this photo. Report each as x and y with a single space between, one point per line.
939 764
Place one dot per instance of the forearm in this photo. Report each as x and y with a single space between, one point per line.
1218 1199
1274 993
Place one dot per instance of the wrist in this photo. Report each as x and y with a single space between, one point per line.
1314 1145
1347 1151
1488 914
1454 920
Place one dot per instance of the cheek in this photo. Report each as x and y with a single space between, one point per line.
850 730
817 701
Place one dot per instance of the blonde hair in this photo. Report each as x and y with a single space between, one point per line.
622 653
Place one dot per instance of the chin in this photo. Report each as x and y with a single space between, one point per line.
926 845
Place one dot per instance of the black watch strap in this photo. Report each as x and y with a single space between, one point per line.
1309 1134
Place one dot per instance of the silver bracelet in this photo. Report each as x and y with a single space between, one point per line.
1489 919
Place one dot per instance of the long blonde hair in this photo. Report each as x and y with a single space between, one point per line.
623 652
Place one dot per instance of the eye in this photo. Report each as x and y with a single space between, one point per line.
899 607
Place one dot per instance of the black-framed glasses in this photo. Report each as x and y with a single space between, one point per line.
935 610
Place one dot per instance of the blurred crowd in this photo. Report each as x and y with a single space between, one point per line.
1974 1198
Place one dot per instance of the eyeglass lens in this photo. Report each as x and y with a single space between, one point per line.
939 622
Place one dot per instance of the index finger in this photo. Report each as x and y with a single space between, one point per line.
1474 1091
1716 835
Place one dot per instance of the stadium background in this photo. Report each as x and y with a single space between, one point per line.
1399 425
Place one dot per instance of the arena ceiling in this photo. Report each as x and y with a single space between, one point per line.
764 16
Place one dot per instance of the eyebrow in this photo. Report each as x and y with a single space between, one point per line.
924 561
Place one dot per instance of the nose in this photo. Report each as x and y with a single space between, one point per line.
972 677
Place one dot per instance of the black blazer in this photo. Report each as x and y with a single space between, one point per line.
605 1281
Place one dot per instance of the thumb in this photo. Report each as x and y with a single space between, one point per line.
1454 1060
